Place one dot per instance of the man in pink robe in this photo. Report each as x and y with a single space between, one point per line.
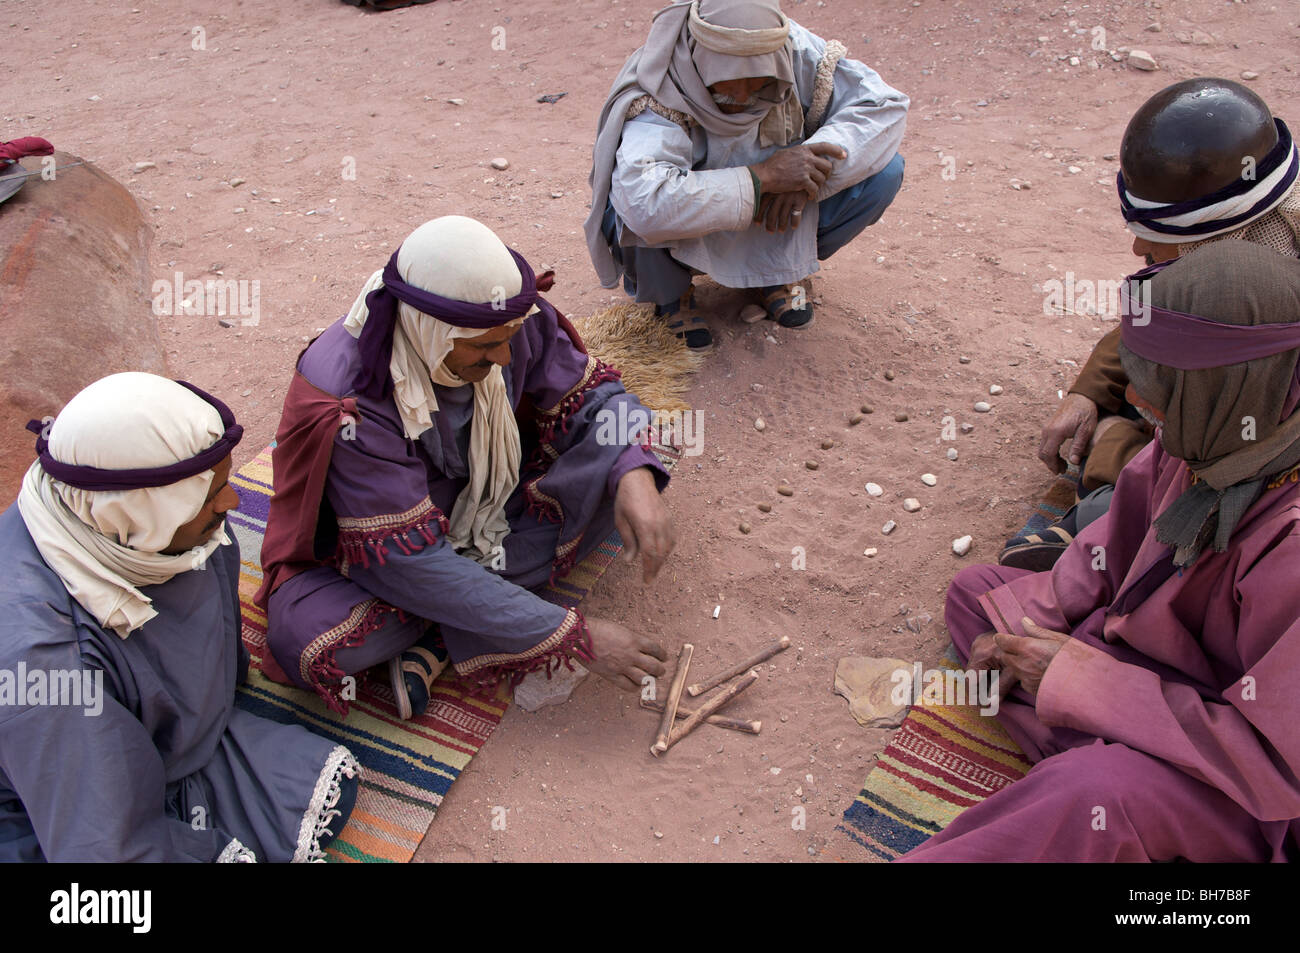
1155 666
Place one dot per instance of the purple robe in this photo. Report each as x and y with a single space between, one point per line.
385 571
1165 728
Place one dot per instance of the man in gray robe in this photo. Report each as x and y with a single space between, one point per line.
120 651
737 144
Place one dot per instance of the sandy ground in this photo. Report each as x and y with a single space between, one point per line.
340 126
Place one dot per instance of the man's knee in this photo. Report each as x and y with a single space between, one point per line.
891 179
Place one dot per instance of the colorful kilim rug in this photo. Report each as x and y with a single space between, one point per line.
942 760
408 766
1055 502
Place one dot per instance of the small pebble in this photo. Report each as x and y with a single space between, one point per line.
961 545
889 375
900 417
759 425
500 163
745 527
855 419
868 409
911 504
874 489
929 479
811 464
237 181
765 507
785 490
717 611
967 428
995 389
952 453
456 102
889 527
983 407
963 359
870 552
659 834
827 443
1249 74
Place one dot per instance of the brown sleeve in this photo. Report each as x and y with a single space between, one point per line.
1113 450
1102 379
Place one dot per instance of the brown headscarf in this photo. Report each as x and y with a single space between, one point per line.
1205 411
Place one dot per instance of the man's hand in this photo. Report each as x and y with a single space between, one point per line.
782 210
985 654
797 168
622 656
1027 657
1075 420
642 520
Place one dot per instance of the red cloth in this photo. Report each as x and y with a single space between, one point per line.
300 462
16 149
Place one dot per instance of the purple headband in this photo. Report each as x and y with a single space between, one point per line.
1193 343
1152 217
95 478
375 343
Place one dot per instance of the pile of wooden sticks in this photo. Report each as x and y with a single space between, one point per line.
670 733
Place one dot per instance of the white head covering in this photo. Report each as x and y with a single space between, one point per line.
462 259
105 543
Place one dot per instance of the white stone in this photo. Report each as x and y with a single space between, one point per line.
952 453
961 545
967 428
995 389
500 163
911 504
717 611
536 691
870 685
929 479
1249 74
874 489
963 359
870 552
144 166
1141 59
982 407
889 527
759 425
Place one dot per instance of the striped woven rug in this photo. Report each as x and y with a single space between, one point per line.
408 767
942 760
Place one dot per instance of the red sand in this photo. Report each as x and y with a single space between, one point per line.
285 93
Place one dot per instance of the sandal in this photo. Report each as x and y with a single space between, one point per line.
1037 552
413 673
686 322
779 301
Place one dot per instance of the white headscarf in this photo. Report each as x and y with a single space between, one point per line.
461 259
105 543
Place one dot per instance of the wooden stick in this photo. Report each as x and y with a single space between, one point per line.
674 696
780 645
722 721
694 720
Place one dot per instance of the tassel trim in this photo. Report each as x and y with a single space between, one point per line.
317 666
236 853
362 537
542 505
597 373
568 641
324 805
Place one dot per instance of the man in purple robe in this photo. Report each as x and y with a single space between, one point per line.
445 449
120 651
1155 665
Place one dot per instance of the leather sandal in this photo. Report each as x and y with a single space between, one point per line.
412 674
779 302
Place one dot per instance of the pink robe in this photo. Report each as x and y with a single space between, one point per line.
1167 732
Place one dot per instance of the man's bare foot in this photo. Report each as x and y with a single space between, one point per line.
622 656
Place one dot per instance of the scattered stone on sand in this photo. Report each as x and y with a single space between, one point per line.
900 417
770 340
785 490
967 428
557 195
658 834
1153 28
911 504
870 552
456 102
874 489
225 322
500 163
765 507
745 527
963 359
889 527
143 167
855 419
982 406
929 479
918 622
828 443
869 685
756 387
995 389
952 453
1141 59
889 375
752 313
537 691
811 464
867 409
961 545
237 181
759 424
1249 74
